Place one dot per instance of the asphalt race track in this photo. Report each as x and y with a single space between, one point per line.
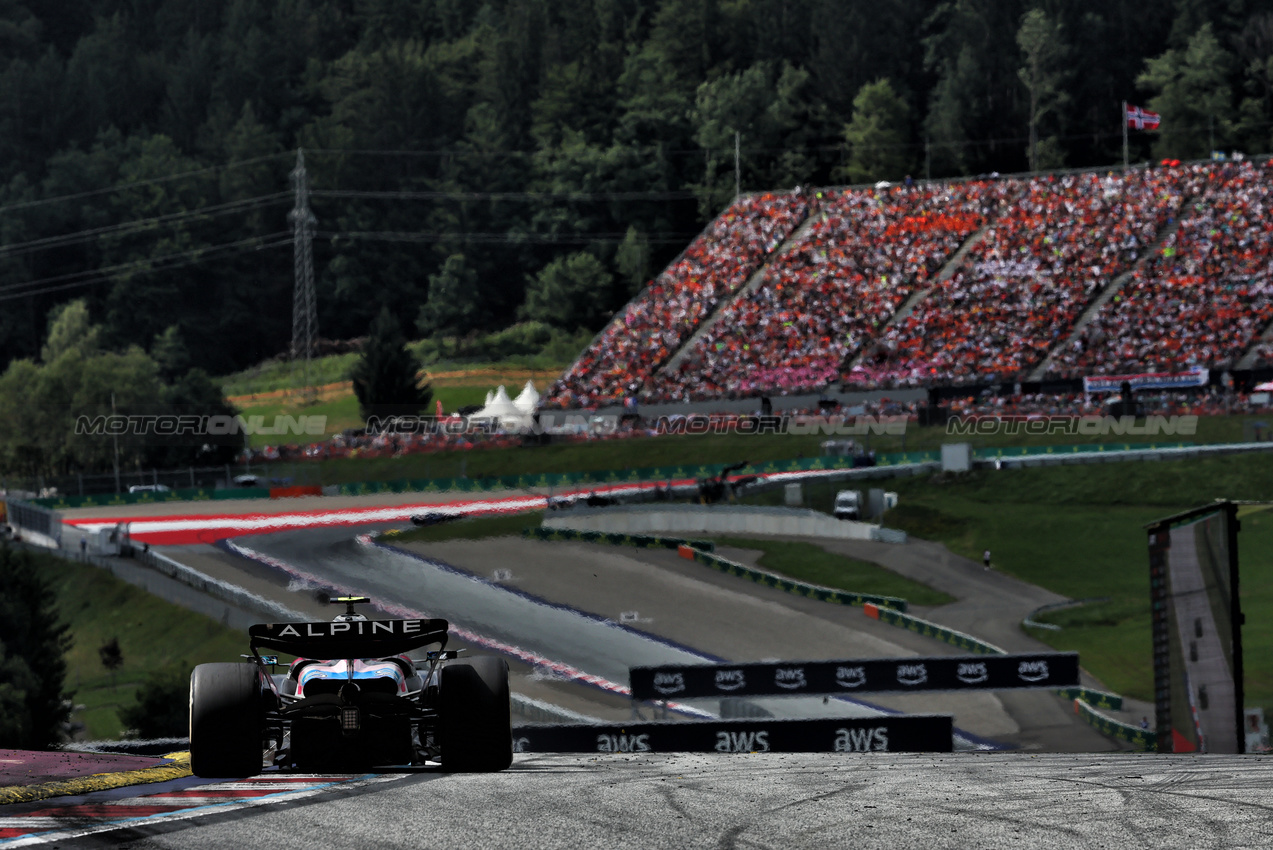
751 801
546 606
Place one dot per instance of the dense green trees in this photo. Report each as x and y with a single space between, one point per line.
76 377
385 377
145 147
33 707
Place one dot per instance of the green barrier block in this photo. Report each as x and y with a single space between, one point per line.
1142 739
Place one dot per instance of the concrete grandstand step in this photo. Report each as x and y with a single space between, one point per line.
753 283
1107 295
946 272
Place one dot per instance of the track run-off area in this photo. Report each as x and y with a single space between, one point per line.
553 609
1008 799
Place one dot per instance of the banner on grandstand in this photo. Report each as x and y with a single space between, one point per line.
1198 377
794 678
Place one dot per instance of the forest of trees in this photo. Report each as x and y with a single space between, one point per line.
479 162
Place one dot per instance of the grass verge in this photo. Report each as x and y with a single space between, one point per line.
810 563
1079 531
153 635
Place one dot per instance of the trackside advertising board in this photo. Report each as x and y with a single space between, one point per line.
914 733
951 673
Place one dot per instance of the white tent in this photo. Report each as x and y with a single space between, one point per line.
500 410
528 399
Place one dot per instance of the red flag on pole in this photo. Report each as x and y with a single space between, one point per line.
1142 119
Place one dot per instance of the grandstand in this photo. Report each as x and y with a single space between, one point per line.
1047 276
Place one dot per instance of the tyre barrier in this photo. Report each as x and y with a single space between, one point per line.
1142 739
930 629
799 588
906 733
641 541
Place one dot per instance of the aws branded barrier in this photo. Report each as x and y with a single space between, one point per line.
912 733
787 678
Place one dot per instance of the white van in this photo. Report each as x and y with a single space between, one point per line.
848 504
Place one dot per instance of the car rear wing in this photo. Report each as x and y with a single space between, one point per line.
339 639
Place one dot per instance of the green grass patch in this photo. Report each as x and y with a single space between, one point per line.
470 528
153 635
1079 531
283 374
810 563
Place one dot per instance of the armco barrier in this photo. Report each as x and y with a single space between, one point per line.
1142 739
1088 697
1093 697
1079 448
643 541
800 588
932 630
634 475
910 733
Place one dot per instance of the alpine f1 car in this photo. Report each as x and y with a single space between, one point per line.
353 698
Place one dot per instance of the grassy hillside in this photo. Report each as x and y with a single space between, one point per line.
1079 531
153 635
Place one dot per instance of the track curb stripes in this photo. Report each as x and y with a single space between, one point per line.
124 814
178 769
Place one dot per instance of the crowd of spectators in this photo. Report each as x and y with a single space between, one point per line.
1204 297
642 337
867 251
825 311
1040 263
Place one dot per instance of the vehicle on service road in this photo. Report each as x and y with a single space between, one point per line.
353 698
848 504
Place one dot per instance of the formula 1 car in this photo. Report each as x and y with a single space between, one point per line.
352 699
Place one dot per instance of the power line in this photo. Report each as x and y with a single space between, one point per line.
502 238
149 264
504 196
22 205
20 248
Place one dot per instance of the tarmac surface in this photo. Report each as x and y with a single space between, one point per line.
877 800
682 601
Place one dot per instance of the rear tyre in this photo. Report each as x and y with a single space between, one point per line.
225 721
475 731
